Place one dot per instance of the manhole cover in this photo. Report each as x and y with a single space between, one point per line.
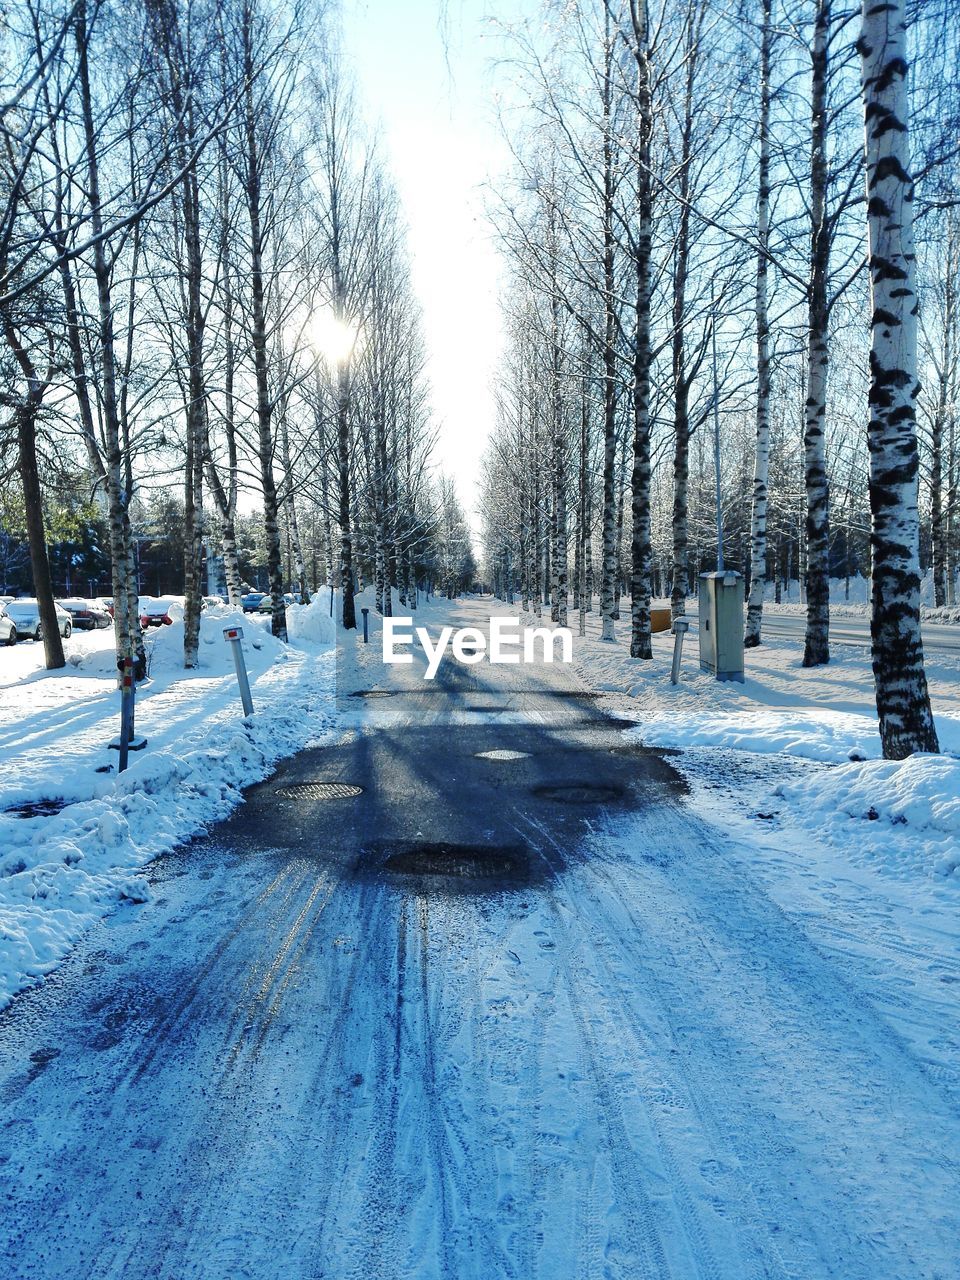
580 793
502 753
370 693
320 791
36 808
460 861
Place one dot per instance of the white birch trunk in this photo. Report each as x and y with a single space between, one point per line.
817 642
758 530
903 703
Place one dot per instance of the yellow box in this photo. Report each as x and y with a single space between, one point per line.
660 619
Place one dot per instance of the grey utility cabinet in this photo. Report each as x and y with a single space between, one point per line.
721 625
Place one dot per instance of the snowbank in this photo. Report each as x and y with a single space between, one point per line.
311 623
902 814
61 872
788 713
815 734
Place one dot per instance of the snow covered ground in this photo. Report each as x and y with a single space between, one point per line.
864 854
850 597
59 873
905 817
713 1035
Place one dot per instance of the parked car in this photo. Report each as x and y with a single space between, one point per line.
102 616
86 615
289 598
252 600
212 602
8 632
105 603
25 616
155 613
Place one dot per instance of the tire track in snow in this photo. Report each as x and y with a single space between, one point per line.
764 1259
163 1035
444 1171
619 1000
224 1126
767 1203
643 1235
747 920
128 1075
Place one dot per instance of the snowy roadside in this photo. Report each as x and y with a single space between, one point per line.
862 854
903 818
850 598
61 872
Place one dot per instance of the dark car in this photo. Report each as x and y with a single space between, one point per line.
252 600
86 615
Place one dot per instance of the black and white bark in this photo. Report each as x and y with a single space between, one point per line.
640 641
816 649
903 703
116 445
178 97
608 516
254 168
758 530
559 583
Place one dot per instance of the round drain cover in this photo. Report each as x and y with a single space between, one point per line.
502 753
320 791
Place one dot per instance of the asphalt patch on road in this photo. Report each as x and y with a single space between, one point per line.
581 792
447 868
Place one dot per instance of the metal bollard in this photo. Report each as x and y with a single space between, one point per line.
235 636
128 694
680 628
365 612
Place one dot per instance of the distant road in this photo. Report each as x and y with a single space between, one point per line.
937 637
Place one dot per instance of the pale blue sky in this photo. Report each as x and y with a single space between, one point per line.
425 74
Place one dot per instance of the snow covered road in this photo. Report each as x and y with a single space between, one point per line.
594 1046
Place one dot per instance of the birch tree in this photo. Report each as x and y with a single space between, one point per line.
758 532
903 703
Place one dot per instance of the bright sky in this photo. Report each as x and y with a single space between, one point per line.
425 75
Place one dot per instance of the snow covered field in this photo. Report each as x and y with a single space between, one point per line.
60 873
